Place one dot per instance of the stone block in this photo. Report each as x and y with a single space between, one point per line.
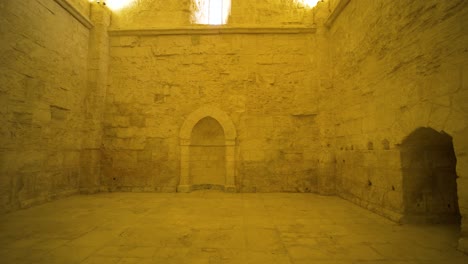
144 156
71 159
124 159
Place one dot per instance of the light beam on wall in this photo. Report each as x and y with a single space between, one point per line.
212 12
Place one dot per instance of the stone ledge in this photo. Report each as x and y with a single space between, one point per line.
75 13
215 30
387 213
336 12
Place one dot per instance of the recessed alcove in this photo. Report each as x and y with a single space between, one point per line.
207 155
207 147
429 178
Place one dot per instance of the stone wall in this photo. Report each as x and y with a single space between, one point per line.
264 82
397 66
43 73
83 6
313 109
174 13
94 101
270 12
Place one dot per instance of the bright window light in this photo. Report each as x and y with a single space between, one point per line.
308 3
114 4
118 4
212 12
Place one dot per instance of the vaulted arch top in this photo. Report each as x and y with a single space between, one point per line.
208 111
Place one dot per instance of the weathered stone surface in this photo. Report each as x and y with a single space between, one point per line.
43 74
393 73
217 227
268 93
322 101
173 13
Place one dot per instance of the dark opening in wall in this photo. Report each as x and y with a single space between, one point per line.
429 178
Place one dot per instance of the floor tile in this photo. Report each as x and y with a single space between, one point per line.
215 227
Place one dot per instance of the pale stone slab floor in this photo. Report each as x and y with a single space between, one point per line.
215 227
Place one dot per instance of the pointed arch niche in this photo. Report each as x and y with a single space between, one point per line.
207 129
429 178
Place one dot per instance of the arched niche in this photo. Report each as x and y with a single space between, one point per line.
429 178
196 130
207 168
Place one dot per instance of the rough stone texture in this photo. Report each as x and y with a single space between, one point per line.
98 65
43 73
325 112
270 12
173 13
394 72
265 83
148 13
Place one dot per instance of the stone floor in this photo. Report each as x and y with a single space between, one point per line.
215 227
